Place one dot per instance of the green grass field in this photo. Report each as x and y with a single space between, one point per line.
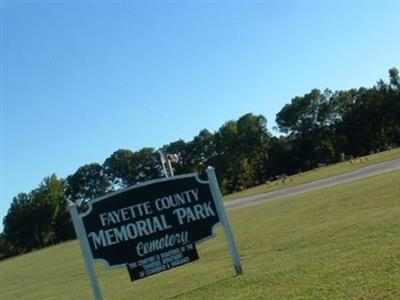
338 243
324 172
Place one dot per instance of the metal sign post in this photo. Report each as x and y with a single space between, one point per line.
224 219
81 235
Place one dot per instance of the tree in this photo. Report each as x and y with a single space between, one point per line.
201 151
51 193
392 108
309 122
253 144
394 78
38 219
241 152
18 230
226 159
25 224
306 113
148 164
88 182
121 167
281 157
5 247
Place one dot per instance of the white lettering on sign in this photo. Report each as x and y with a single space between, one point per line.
104 238
125 214
177 199
197 212
169 240
181 205
144 209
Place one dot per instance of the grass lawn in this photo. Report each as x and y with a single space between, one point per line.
324 172
342 242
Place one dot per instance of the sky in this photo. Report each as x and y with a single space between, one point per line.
82 79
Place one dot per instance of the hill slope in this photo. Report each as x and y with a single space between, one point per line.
337 243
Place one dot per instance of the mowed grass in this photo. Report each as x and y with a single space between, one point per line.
342 242
318 173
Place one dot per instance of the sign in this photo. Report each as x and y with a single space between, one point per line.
152 227
151 219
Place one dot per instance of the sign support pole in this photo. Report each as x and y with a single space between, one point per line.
81 234
216 192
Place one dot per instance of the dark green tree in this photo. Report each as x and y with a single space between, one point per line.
253 145
88 182
281 157
51 193
122 168
38 219
309 122
201 151
226 160
148 164
5 247
394 79
19 224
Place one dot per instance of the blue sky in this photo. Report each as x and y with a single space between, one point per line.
80 80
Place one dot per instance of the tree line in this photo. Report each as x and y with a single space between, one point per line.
318 127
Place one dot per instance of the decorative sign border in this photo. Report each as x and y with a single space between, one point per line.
152 215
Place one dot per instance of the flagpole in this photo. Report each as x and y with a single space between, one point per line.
171 172
162 159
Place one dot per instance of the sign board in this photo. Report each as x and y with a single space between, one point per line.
151 219
152 227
